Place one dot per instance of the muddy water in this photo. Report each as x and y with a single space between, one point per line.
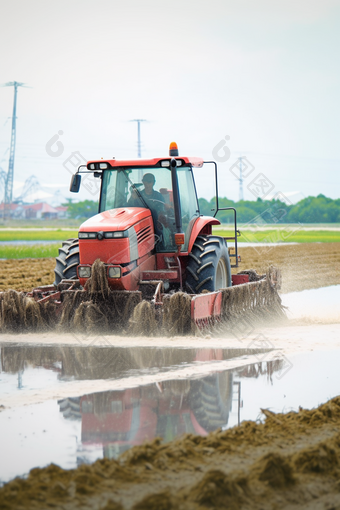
72 405
315 304
72 430
84 427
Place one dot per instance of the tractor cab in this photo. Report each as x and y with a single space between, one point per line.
150 187
165 186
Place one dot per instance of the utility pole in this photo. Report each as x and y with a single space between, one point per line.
241 180
139 144
10 174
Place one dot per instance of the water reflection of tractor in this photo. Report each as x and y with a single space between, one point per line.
124 418
121 419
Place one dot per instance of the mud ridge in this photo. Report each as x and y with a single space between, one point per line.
287 461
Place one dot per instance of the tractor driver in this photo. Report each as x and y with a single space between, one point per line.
153 199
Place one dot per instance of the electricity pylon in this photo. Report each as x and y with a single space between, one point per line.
10 174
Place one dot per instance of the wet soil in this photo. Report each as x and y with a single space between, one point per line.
26 274
288 461
304 266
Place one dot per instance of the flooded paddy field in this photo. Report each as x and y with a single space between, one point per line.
232 420
68 405
126 422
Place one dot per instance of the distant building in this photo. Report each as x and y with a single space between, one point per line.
62 212
16 211
11 207
37 211
40 211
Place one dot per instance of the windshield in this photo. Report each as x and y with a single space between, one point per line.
152 188
122 185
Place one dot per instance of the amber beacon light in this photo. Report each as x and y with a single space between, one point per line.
173 149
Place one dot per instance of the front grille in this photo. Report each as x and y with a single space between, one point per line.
143 234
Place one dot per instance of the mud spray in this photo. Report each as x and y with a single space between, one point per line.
99 309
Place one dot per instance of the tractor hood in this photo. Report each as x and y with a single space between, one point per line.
115 219
121 237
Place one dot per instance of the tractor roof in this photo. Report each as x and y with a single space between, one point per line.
196 162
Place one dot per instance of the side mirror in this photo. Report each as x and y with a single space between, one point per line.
75 183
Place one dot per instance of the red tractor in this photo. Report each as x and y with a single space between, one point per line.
149 229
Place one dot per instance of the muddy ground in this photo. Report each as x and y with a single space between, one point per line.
304 266
25 274
289 461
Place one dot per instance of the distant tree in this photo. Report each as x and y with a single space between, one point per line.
204 206
320 209
84 209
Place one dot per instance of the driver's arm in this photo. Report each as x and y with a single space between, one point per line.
134 200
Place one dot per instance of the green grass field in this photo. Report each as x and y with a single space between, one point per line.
283 235
279 234
274 235
35 251
37 235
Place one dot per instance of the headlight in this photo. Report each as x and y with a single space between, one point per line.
111 235
114 272
84 271
87 235
167 162
107 235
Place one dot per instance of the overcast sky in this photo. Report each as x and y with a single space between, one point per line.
265 73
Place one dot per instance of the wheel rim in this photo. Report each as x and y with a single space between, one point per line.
221 275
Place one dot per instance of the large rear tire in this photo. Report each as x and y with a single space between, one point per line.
67 261
208 268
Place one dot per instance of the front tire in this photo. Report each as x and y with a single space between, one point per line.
67 261
208 268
